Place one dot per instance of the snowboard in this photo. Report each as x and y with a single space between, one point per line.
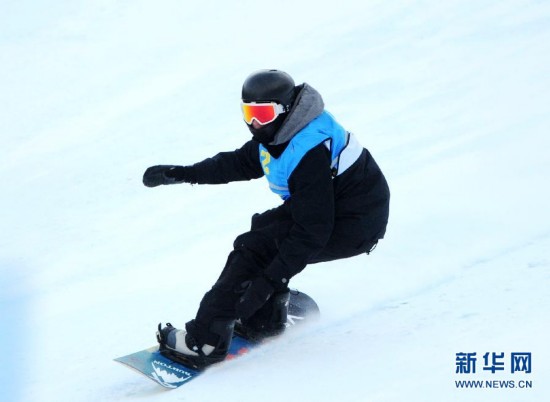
170 374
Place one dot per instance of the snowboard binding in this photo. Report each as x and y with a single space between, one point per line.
199 360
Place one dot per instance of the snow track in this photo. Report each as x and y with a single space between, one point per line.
450 97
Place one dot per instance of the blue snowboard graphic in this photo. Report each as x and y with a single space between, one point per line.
170 374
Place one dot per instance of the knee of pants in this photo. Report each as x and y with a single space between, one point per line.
270 217
257 246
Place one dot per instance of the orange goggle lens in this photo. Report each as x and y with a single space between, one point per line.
263 113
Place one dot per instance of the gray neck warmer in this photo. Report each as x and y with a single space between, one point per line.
307 106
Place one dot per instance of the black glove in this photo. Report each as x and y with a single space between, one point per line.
256 293
163 174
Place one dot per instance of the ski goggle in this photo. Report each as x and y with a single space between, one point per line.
263 113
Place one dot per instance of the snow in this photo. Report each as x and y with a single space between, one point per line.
452 98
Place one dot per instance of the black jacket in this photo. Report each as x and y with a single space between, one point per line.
317 199
352 207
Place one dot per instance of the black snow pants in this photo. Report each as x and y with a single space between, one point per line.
253 252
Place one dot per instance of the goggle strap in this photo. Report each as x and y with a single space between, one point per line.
280 108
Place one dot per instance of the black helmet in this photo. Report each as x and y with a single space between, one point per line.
269 85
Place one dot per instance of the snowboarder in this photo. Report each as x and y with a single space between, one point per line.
335 205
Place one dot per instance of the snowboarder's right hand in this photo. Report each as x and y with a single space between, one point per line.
161 174
256 293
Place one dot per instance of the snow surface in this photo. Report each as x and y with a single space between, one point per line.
451 97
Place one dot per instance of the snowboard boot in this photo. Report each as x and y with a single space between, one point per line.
181 346
268 321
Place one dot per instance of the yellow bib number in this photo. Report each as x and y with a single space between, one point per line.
266 158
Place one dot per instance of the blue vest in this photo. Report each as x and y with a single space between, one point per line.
322 129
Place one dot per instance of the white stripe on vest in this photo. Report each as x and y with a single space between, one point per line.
349 155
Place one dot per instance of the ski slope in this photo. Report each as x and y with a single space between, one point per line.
452 99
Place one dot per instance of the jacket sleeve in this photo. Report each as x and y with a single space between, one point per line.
312 208
225 167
